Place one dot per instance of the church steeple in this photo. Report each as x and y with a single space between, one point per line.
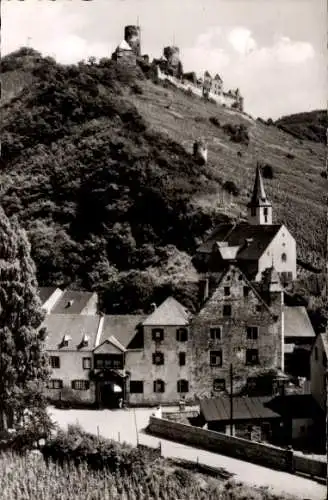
259 208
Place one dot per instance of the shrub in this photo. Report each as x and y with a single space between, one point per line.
215 121
270 121
290 156
323 174
267 171
237 133
231 187
136 89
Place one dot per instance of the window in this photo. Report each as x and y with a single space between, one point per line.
215 333
227 291
259 308
159 386
252 332
157 334
99 363
316 353
136 386
216 358
265 211
158 358
252 357
283 257
54 362
219 384
253 211
182 358
246 291
227 310
80 385
182 334
183 386
55 384
86 363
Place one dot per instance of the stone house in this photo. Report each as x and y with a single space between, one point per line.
239 324
255 244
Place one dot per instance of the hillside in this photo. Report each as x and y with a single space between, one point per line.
96 163
311 125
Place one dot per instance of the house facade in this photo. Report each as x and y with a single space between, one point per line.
239 326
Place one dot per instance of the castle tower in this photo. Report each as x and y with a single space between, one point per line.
259 208
200 152
132 37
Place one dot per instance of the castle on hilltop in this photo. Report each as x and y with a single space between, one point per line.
169 67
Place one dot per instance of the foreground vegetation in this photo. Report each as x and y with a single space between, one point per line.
78 465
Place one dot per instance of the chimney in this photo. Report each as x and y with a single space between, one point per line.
204 290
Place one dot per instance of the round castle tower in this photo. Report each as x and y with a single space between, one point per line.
132 37
200 152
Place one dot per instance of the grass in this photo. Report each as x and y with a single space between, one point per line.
29 478
298 191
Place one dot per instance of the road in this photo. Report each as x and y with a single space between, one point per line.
122 425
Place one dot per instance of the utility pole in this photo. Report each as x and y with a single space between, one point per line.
231 400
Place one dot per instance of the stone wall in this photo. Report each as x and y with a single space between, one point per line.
259 453
269 456
233 342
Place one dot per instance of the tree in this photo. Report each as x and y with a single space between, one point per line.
23 365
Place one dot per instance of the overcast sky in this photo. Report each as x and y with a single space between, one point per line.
273 50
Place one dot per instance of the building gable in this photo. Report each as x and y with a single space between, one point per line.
109 346
169 313
234 289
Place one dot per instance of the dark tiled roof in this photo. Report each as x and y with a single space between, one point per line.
45 292
237 234
122 327
297 322
244 408
79 302
73 325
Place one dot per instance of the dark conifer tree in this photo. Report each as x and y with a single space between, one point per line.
23 365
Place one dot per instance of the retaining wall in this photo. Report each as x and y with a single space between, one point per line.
217 442
251 451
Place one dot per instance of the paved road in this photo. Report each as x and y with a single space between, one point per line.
121 425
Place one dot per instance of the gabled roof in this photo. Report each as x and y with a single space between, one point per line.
259 237
258 196
74 325
169 313
121 327
111 340
218 77
45 292
72 302
297 322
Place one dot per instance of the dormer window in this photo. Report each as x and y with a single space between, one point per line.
69 304
85 341
66 340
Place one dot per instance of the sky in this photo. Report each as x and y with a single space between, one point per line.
274 51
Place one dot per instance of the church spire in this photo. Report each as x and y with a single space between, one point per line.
259 208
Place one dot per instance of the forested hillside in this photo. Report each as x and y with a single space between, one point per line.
312 125
96 164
